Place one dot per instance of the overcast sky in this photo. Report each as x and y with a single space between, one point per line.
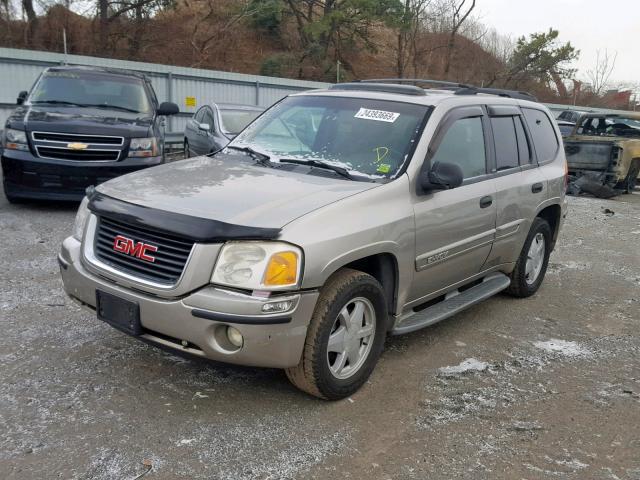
589 25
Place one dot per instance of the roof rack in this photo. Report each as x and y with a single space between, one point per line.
380 87
456 88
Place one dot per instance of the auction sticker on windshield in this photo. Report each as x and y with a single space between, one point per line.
379 115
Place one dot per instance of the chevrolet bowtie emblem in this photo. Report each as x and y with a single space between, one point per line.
77 146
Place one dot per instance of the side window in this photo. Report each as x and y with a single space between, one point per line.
504 136
199 115
542 133
208 118
463 144
524 149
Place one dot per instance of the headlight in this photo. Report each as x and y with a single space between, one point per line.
143 147
258 265
15 139
81 219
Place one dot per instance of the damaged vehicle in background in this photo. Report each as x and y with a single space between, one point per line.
603 154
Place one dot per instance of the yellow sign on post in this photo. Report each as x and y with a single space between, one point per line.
190 101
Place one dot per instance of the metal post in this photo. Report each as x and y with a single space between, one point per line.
64 42
257 93
170 99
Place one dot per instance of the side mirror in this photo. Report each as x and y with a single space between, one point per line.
205 127
22 96
168 108
441 176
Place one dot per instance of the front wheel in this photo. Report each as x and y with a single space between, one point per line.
345 337
531 266
186 149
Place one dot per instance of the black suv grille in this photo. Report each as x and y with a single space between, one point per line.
169 258
82 155
72 138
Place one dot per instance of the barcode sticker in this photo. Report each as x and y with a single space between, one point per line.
379 115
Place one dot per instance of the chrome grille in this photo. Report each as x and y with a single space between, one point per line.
78 138
60 153
170 258
78 147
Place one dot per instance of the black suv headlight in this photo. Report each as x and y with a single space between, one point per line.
15 139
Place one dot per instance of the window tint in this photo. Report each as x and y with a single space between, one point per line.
504 135
543 134
524 149
208 118
463 144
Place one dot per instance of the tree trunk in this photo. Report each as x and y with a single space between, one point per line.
32 22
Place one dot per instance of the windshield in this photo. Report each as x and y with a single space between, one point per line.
368 137
234 121
95 89
609 127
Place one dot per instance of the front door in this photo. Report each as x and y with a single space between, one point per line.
455 228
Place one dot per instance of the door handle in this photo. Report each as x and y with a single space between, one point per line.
536 187
486 201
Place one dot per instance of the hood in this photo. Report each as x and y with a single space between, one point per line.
231 190
79 120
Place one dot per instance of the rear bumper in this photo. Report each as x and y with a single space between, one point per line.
196 323
27 176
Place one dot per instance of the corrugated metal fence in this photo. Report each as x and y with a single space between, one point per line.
188 87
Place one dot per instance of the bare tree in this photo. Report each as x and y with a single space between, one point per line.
461 12
600 74
410 25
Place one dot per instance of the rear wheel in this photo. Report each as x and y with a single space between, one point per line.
345 337
631 180
531 266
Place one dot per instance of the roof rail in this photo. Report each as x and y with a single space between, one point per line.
443 83
457 88
497 91
380 87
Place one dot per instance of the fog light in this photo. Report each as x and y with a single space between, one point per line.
235 337
276 307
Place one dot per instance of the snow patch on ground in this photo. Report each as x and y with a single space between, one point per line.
468 365
562 347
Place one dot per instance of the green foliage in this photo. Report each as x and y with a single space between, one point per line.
267 15
279 65
541 56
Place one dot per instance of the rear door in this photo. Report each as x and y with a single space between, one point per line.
455 228
520 185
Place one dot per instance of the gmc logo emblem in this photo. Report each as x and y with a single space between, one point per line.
129 247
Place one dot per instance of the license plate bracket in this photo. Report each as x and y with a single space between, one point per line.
118 312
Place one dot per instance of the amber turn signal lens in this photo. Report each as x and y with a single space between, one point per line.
282 270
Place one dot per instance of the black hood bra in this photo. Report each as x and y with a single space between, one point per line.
186 226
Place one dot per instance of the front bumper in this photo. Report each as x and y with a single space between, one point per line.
194 323
30 177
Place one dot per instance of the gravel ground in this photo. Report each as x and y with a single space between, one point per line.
547 387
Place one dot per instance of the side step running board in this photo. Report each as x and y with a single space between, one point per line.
491 285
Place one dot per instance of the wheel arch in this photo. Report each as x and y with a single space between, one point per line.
382 266
552 214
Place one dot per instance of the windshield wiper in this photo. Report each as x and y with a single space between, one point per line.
106 105
57 102
261 158
343 172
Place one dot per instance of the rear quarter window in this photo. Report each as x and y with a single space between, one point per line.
543 134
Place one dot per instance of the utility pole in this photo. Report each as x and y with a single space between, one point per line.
337 71
64 43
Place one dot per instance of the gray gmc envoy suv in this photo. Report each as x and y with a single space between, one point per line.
338 217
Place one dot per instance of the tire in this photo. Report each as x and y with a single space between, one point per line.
525 283
630 181
186 149
319 372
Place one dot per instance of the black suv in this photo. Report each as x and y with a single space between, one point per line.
81 126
